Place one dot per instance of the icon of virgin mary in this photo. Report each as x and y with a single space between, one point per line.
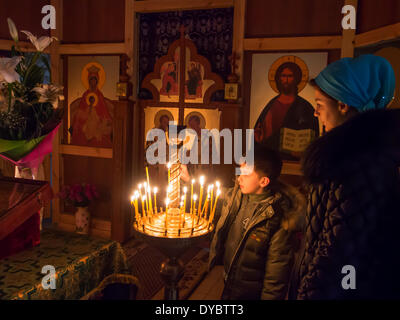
92 120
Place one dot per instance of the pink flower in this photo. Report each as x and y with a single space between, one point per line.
88 192
79 198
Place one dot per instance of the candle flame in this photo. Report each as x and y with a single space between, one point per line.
195 197
202 180
140 186
217 184
193 181
184 190
155 190
169 165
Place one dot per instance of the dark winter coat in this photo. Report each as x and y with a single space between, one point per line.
353 213
260 268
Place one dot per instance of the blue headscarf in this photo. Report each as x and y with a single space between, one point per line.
366 82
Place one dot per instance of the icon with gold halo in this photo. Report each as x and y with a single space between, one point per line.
288 59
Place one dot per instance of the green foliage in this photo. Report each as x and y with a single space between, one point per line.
25 117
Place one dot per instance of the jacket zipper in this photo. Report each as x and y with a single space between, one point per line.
241 242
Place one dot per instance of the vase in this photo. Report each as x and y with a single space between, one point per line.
82 219
31 174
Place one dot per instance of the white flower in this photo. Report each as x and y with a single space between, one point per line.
50 93
7 69
13 29
41 43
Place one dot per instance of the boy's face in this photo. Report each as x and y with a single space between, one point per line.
250 181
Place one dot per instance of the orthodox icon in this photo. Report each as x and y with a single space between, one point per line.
287 122
91 115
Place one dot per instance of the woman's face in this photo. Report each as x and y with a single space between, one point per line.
327 111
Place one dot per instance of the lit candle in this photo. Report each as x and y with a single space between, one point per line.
133 206
201 192
150 202
169 190
194 209
148 183
215 204
169 172
143 210
140 190
184 199
180 216
181 203
155 199
212 195
218 185
204 212
145 194
136 203
133 203
191 198
135 198
166 213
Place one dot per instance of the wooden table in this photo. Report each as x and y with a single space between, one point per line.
81 263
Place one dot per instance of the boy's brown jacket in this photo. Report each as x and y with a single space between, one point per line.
261 266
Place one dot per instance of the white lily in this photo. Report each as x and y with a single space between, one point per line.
50 93
7 69
13 29
41 43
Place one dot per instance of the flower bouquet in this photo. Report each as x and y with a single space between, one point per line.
29 113
80 196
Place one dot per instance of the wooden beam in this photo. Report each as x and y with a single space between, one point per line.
91 48
131 28
238 33
179 5
293 43
381 34
56 78
23 46
121 218
105 153
348 35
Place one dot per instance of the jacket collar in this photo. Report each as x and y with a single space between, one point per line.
369 133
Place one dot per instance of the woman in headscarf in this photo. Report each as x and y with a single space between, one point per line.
351 243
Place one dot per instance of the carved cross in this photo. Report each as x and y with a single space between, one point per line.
233 58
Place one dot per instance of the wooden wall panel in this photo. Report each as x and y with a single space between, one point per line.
373 14
92 21
6 168
26 14
77 169
293 18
